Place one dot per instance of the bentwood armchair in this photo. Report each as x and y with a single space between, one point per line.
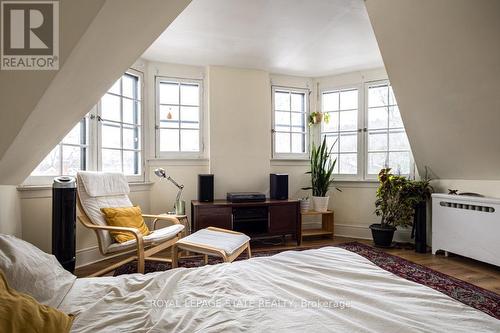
98 190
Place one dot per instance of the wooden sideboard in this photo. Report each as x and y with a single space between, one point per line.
256 219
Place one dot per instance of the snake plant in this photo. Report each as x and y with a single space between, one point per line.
322 167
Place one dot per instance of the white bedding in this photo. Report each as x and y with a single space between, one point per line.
270 294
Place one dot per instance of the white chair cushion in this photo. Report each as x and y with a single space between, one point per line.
31 271
228 242
92 207
156 236
103 184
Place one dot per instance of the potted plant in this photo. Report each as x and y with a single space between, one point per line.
317 117
304 203
321 175
395 204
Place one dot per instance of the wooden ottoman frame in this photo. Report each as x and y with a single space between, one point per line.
209 250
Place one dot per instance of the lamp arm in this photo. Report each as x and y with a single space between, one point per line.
180 187
179 194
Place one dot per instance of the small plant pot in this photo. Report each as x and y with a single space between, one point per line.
320 204
305 205
382 235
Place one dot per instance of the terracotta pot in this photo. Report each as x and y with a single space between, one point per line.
318 117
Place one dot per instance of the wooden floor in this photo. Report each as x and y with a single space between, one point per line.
475 272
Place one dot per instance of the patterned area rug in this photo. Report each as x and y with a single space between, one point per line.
476 297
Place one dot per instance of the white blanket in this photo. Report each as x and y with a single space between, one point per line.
325 290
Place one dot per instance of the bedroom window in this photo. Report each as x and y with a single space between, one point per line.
341 131
366 131
120 127
290 110
108 138
178 114
387 142
69 156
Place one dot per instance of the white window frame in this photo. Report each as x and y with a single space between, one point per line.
366 175
290 156
362 174
93 145
38 180
131 178
360 146
179 154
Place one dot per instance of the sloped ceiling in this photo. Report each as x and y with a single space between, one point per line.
443 60
21 90
113 35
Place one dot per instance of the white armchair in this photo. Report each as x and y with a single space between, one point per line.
98 190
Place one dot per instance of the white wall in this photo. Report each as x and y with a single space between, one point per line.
240 129
443 58
10 211
489 188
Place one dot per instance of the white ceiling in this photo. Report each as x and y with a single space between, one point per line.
297 37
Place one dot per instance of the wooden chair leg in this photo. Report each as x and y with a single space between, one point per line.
140 258
205 259
249 252
140 262
175 255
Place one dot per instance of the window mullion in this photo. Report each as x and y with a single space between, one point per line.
180 116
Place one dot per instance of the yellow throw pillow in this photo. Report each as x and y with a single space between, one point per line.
22 313
125 217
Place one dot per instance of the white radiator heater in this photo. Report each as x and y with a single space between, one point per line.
468 226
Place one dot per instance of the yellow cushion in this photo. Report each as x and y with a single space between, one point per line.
125 217
22 313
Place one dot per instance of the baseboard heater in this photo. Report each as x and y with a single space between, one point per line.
468 226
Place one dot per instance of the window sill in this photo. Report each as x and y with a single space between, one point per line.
45 191
355 183
162 161
290 161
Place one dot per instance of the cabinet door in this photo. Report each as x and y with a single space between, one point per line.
212 216
283 218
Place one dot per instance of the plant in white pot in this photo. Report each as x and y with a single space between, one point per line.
321 175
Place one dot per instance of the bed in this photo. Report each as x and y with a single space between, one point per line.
324 290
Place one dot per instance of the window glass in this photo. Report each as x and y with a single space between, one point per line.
388 144
290 129
120 127
179 113
341 107
69 156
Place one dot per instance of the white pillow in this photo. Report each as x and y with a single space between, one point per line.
31 271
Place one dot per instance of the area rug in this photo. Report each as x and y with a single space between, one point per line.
476 297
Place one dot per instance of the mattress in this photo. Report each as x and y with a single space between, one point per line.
324 290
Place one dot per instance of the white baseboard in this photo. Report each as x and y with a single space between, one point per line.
352 231
91 255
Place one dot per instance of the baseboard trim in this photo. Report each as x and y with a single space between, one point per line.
91 255
352 231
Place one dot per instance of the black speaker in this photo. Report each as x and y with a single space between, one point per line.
279 186
206 187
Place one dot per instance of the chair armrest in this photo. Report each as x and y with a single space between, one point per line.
134 231
157 218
